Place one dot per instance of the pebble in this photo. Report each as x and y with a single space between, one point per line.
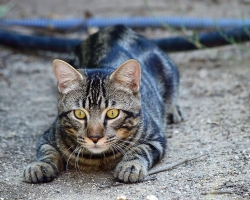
121 197
151 197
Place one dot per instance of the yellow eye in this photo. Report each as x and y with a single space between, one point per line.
79 114
112 113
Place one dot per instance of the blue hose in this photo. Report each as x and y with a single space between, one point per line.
180 43
239 31
175 22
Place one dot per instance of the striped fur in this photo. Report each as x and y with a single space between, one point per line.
145 93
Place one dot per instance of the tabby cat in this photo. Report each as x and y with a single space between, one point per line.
114 100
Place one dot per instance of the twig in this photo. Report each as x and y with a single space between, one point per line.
120 183
167 168
151 172
217 192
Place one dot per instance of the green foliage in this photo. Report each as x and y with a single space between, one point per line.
4 9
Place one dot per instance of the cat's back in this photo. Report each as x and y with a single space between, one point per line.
111 46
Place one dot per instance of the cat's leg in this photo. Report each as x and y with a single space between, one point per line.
47 167
137 161
174 113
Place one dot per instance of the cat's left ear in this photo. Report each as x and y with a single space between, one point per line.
67 76
128 75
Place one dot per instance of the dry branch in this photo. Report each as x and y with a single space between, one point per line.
155 171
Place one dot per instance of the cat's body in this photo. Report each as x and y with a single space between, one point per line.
110 117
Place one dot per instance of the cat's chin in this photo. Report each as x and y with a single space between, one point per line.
98 149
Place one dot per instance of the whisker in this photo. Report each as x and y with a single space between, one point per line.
112 149
131 151
80 149
119 149
67 151
76 159
67 165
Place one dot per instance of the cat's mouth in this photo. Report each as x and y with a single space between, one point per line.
94 147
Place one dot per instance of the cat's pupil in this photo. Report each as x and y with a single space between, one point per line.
113 113
79 114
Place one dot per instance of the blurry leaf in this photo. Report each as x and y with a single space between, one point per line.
4 9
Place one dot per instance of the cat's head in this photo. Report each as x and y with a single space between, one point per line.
96 107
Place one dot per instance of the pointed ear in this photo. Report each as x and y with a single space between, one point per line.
67 76
129 75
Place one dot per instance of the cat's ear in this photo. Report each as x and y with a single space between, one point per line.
129 75
67 76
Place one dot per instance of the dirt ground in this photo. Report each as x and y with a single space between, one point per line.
214 94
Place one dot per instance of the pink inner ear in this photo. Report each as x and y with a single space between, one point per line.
63 74
66 75
129 75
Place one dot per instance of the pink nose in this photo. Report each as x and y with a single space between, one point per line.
95 138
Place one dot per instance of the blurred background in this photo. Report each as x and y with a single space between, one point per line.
70 9
114 8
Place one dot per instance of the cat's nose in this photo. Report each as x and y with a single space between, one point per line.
95 138
95 133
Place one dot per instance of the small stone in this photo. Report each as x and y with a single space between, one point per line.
151 197
121 197
246 195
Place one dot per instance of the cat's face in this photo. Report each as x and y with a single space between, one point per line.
99 109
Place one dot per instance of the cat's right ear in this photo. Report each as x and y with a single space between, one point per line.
67 76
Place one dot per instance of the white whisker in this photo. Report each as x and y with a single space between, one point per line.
67 165
77 158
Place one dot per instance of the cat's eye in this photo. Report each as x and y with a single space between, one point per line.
79 114
112 113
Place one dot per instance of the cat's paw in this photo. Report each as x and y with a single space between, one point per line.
176 115
39 172
130 171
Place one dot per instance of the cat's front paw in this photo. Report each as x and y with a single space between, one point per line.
39 172
130 171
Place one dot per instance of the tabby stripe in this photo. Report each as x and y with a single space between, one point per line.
92 50
105 123
125 123
103 89
148 157
30 173
99 102
141 153
48 152
67 126
44 177
106 103
38 180
64 114
129 128
89 102
95 91
69 131
135 135
156 153
84 103
51 163
131 114
88 87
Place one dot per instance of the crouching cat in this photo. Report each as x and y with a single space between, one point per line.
114 101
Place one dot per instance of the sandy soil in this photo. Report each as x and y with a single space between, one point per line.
214 95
